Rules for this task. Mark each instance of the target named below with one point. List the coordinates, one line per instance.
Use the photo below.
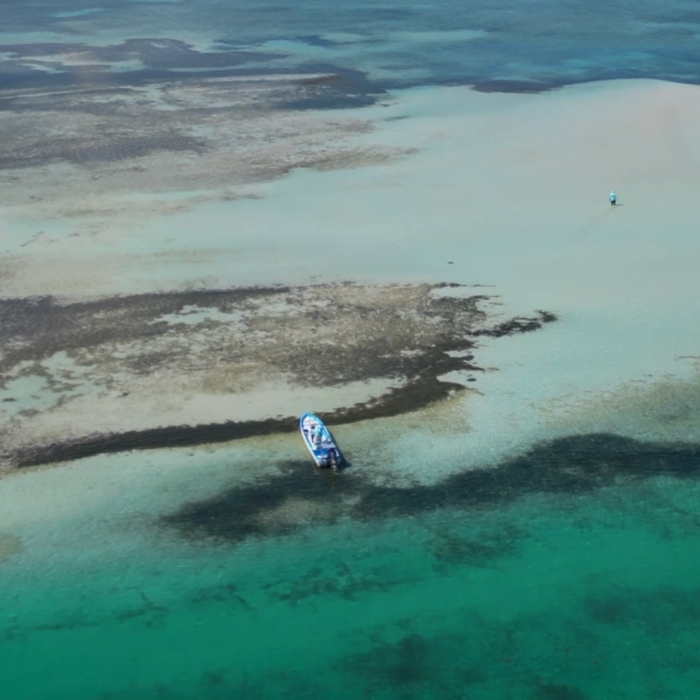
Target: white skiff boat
(320, 442)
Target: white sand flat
(513, 190)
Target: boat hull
(319, 442)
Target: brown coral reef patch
(145, 371)
(163, 132)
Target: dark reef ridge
(576, 464)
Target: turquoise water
(560, 597)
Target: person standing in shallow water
(613, 198)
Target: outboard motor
(334, 459)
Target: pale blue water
(548, 42)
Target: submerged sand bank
(508, 191)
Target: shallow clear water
(570, 597)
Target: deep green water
(551, 597)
